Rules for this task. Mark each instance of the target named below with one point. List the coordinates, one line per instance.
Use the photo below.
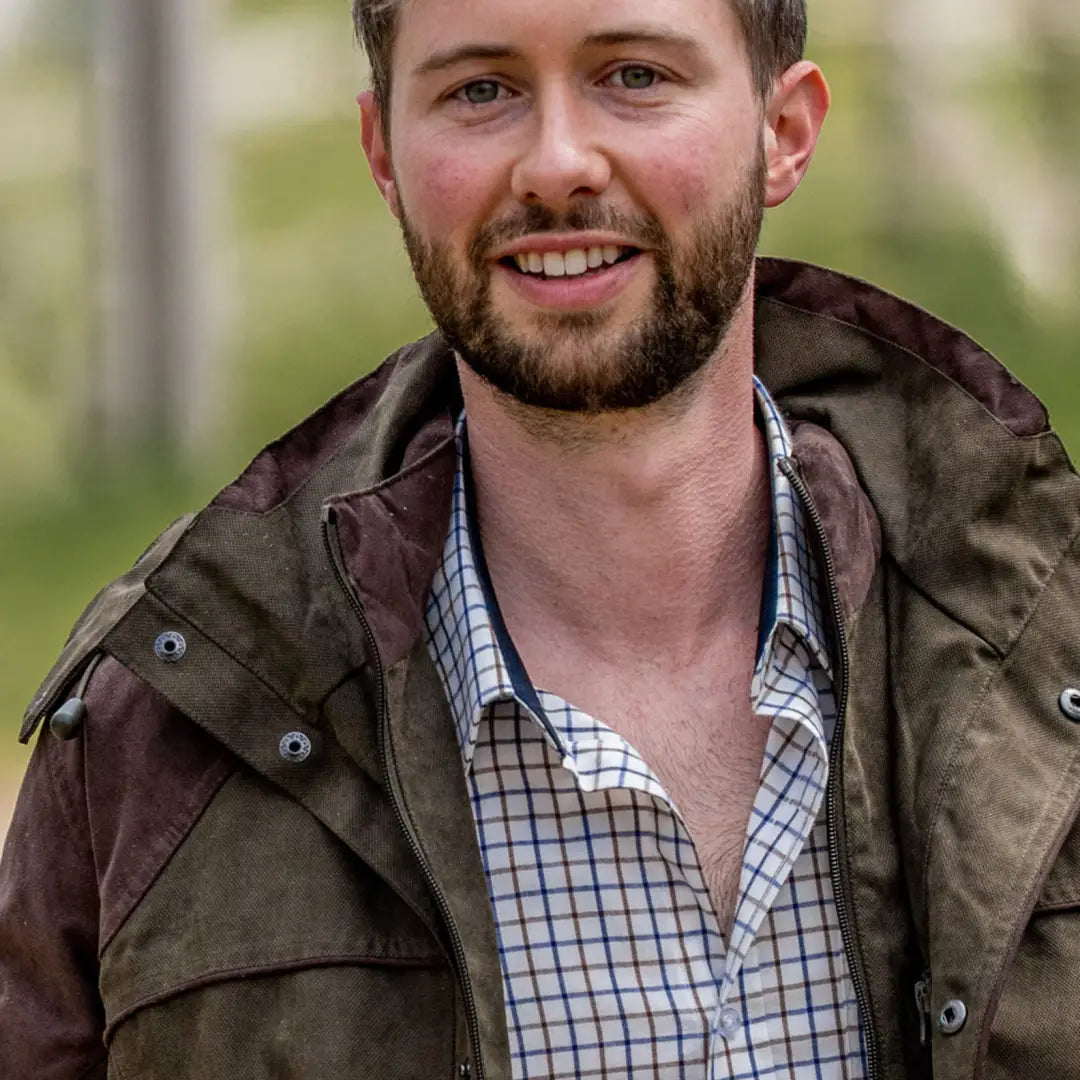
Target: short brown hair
(775, 32)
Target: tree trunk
(152, 385)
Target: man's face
(580, 185)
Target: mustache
(587, 217)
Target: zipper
(333, 551)
(922, 1003)
(836, 765)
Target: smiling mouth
(578, 262)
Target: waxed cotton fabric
(953, 804)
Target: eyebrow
(461, 54)
(643, 35)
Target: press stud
(170, 646)
(295, 746)
(953, 1017)
(1070, 703)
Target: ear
(793, 121)
(377, 149)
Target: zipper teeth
(440, 897)
(922, 1001)
(836, 768)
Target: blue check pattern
(613, 960)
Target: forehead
(430, 27)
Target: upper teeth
(567, 263)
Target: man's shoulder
(970, 485)
(232, 575)
(102, 614)
(856, 328)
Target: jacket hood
(975, 495)
(955, 456)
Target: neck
(613, 533)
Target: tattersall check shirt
(614, 964)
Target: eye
(480, 92)
(635, 77)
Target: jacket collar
(861, 374)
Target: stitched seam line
(264, 971)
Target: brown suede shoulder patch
(847, 515)
(949, 350)
(150, 773)
(406, 517)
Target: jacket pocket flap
(259, 886)
(1062, 887)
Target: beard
(698, 291)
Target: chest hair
(707, 752)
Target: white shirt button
(730, 1022)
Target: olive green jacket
(253, 854)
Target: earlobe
(793, 121)
(377, 151)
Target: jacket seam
(300, 963)
(172, 840)
(1038, 879)
(875, 336)
(103, 1060)
(1059, 907)
(221, 648)
(1000, 652)
(977, 698)
(404, 474)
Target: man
(666, 670)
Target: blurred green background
(946, 173)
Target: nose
(563, 160)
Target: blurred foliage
(323, 292)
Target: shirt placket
(795, 750)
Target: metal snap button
(1070, 703)
(953, 1017)
(170, 646)
(295, 746)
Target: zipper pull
(67, 722)
(922, 1002)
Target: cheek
(676, 185)
(683, 172)
(685, 186)
(441, 191)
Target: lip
(561, 243)
(580, 293)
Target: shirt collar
(476, 658)
(792, 590)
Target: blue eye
(481, 92)
(636, 78)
